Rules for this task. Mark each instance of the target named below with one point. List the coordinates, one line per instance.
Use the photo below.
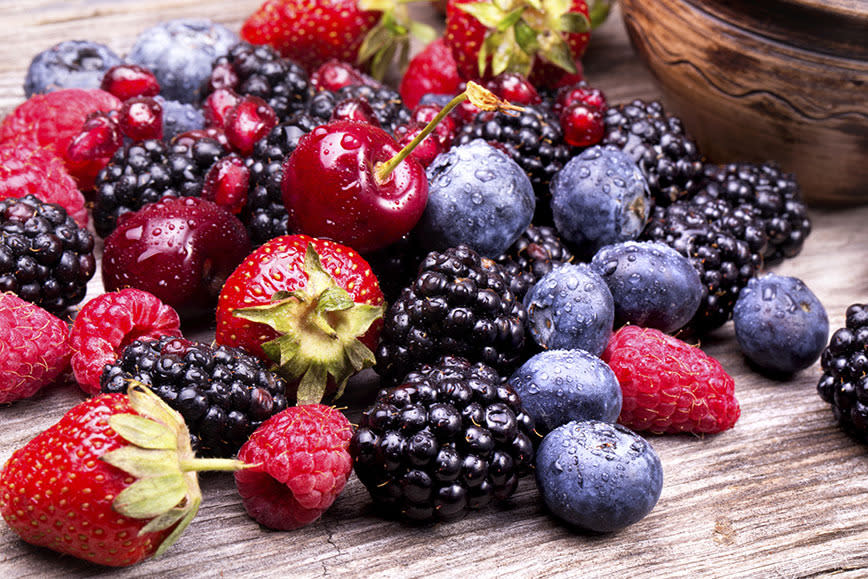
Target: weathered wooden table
(782, 494)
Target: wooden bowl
(759, 80)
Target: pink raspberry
(669, 386)
(109, 323)
(34, 348)
(302, 462)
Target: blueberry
(570, 308)
(180, 54)
(780, 324)
(600, 197)
(440, 100)
(598, 476)
(652, 284)
(477, 196)
(180, 118)
(560, 386)
(70, 64)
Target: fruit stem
(476, 94)
(215, 464)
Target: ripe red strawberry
(34, 348)
(27, 168)
(311, 305)
(113, 482)
(431, 71)
(109, 323)
(544, 42)
(669, 386)
(311, 32)
(53, 119)
(302, 462)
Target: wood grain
(782, 494)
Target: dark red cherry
(141, 118)
(582, 125)
(513, 87)
(99, 138)
(581, 93)
(126, 81)
(217, 106)
(227, 183)
(247, 122)
(334, 75)
(355, 110)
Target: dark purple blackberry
(668, 157)
(45, 257)
(147, 171)
(223, 393)
(397, 265)
(387, 104)
(844, 383)
(742, 222)
(772, 194)
(265, 214)
(260, 71)
(724, 262)
(532, 256)
(451, 438)
(459, 304)
(532, 138)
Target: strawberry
(669, 386)
(310, 305)
(542, 40)
(34, 348)
(431, 71)
(300, 463)
(113, 482)
(311, 32)
(53, 119)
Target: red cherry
(223, 77)
(331, 188)
(141, 119)
(181, 249)
(99, 138)
(227, 183)
(514, 87)
(581, 93)
(247, 122)
(217, 106)
(334, 75)
(355, 110)
(427, 150)
(582, 125)
(126, 81)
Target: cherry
(428, 149)
(582, 125)
(223, 77)
(513, 87)
(141, 119)
(355, 110)
(181, 249)
(217, 106)
(126, 81)
(351, 182)
(334, 75)
(99, 138)
(581, 93)
(227, 183)
(247, 122)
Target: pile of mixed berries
(512, 257)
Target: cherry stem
(479, 96)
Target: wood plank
(780, 494)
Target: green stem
(217, 464)
(383, 170)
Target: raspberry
(54, 119)
(34, 348)
(302, 463)
(669, 386)
(26, 169)
(108, 323)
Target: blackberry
(667, 156)
(145, 172)
(451, 438)
(387, 104)
(459, 304)
(45, 257)
(534, 140)
(844, 383)
(724, 262)
(742, 222)
(260, 71)
(396, 265)
(533, 255)
(223, 393)
(265, 214)
(773, 195)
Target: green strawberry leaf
(555, 49)
(193, 508)
(143, 432)
(377, 5)
(510, 19)
(422, 32)
(487, 13)
(152, 496)
(599, 11)
(525, 37)
(575, 23)
(140, 462)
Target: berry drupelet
(45, 257)
(657, 142)
(223, 393)
(387, 105)
(533, 255)
(260, 71)
(459, 304)
(147, 171)
(844, 383)
(451, 438)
